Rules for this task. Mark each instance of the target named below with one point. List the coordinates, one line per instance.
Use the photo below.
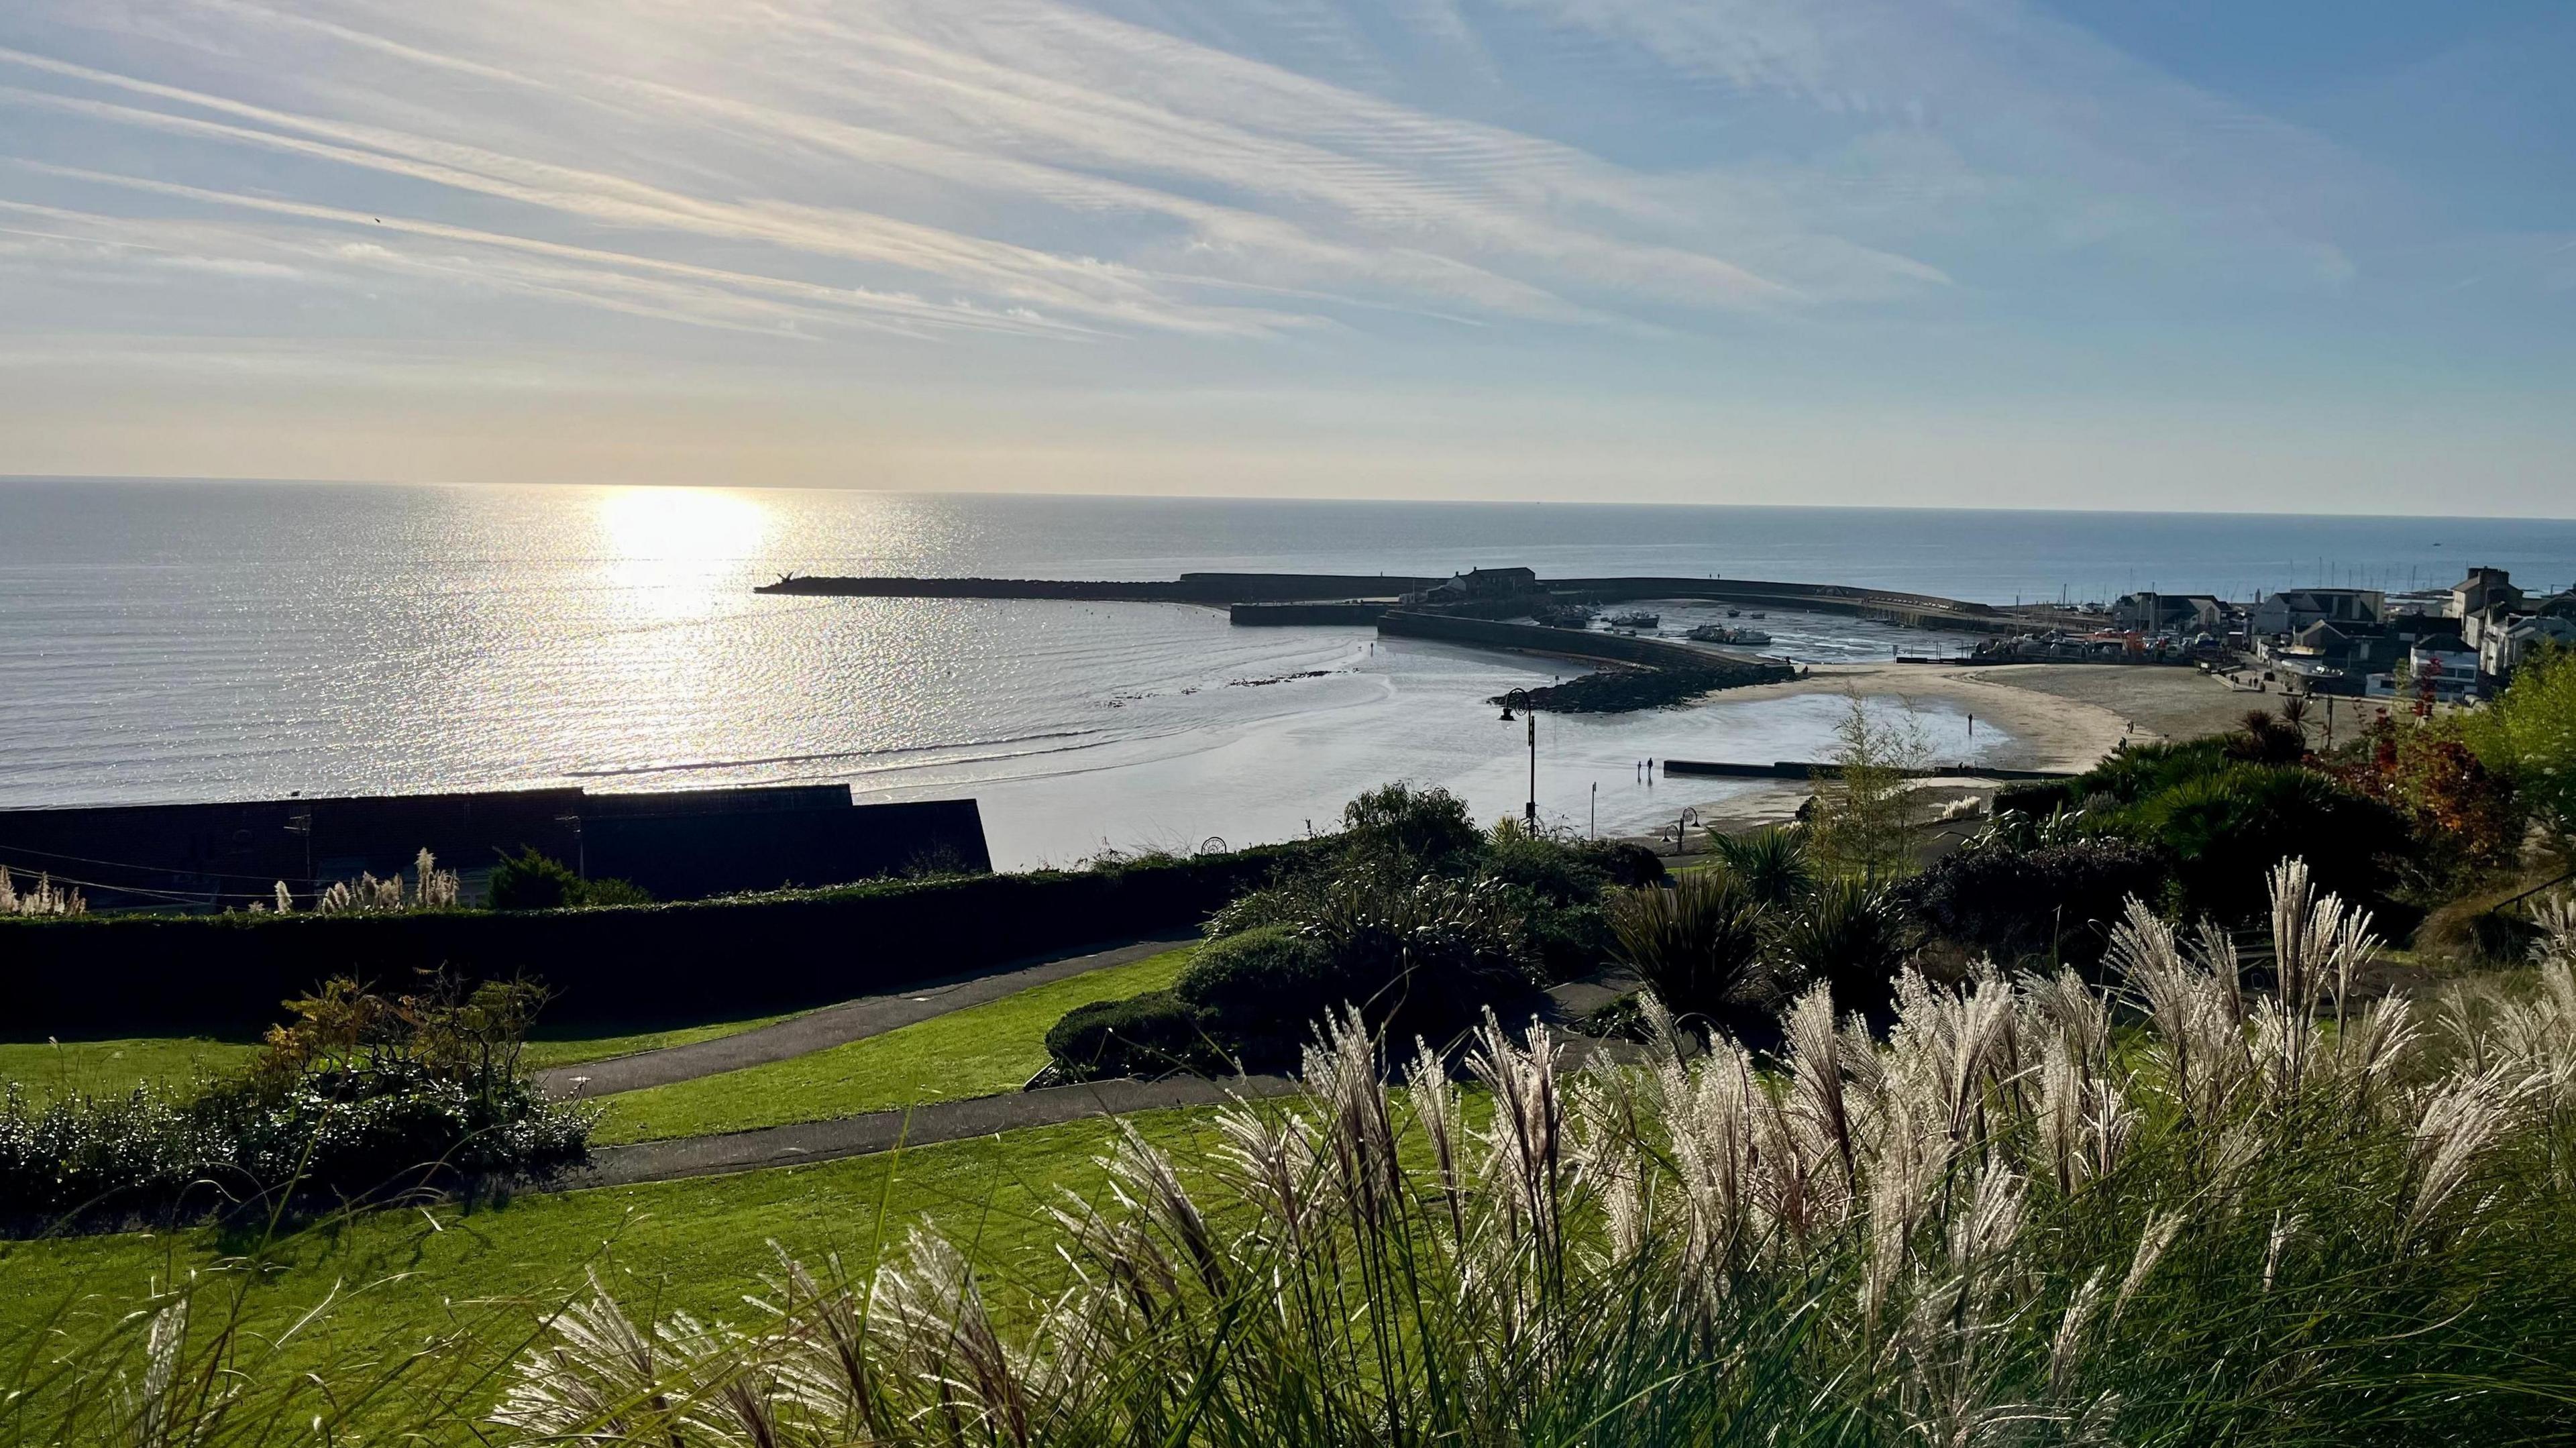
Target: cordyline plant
(2252, 1218)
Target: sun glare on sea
(673, 550)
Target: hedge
(696, 959)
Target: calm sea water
(167, 641)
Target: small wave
(613, 771)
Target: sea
(176, 640)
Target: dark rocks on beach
(1621, 691)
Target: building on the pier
(2180, 614)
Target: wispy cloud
(1692, 195)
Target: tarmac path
(837, 1025)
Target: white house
(2443, 655)
(2501, 650)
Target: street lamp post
(1520, 698)
(1681, 831)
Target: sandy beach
(2057, 716)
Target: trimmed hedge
(151, 974)
(1262, 990)
(1154, 1034)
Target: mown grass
(45, 1070)
(572, 1046)
(489, 1275)
(979, 1051)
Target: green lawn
(43, 1070)
(488, 1274)
(979, 1051)
(571, 1046)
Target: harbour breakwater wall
(1215, 589)
(1811, 769)
(1574, 643)
(1357, 598)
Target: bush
(2224, 829)
(1848, 936)
(360, 1096)
(1625, 863)
(1154, 1034)
(531, 881)
(1424, 827)
(1259, 992)
(2268, 738)
(2222, 817)
(2528, 736)
(2057, 903)
(2465, 816)
(2041, 798)
(1696, 944)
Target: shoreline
(2055, 716)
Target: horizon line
(7, 479)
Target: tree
(2528, 735)
(1866, 820)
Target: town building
(2291, 610)
(2181, 614)
(1481, 583)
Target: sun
(682, 527)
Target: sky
(2301, 255)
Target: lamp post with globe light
(1519, 698)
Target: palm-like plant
(1774, 863)
(1848, 935)
(1697, 943)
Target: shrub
(1696, 944)
(1261, 992)
(2465, 816)
(1154, 1034)
(2223, 829)
(1848, 936)
(2268, 738)
(2528, 736)
(2055, 904)
(1426, 827)
(532, 881)
(362, 1095)
(1774, 863)
(1626, 864)
(2037, 797)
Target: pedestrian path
(838, 1025)
(925, 1125)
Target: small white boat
(1717, 633)
(1636, 619)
